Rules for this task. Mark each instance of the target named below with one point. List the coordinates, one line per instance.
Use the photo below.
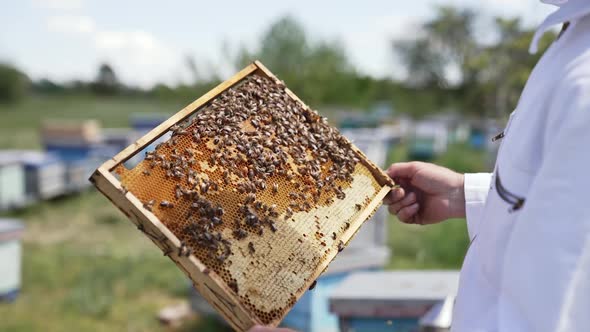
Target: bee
(358, 207)
(166, 204)
(148, 205)
(146, 172)
(240, 233)
(250, 198)
(204, 188)
(174, 128)
(123, 190)
(221, 258)
(333, 235)
(313, 284)
(206, 271)
(216, 220)
(213, 186)
(234, 286)
(346, 225)
(182, 248)
(219, 211)
(340, 246)
(293, 195)
(273, 226)
(275, 188)
(251, 247)
(196, 136)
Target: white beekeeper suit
(528, 267)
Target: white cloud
(138, 55)
(59, 4)
(138, 46)
(71, 23)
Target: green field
(88, 269)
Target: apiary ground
(259, 189)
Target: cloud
(139, 46)
(71, 24)
(139, 56)
(59, 4)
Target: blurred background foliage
(448, 67)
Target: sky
(147, 41)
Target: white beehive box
(12, 182)
(10, 258)
(45, 174)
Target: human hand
(427, 193)
(269, 329)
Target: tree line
(449, 67)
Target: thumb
(402, 170)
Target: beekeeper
(528, 265)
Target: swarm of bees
(255, 132)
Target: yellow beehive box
(252, 196)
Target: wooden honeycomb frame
(211, 286)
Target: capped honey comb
(252, 195)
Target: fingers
(408, 200)
(403, 170)
(408, 214)
(394, 195)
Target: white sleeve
(476, 189)
(547, 262)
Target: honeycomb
(259, 188)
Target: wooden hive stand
(250, 286)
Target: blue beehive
(78, 172)
(45, 174)
(10, 259)
(144, 122)
(390, 300)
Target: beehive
(252, 196)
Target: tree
(13, 83)
(490, 77)
(106, 82)
(318, 71)
(445, 43)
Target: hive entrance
(260, 189)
